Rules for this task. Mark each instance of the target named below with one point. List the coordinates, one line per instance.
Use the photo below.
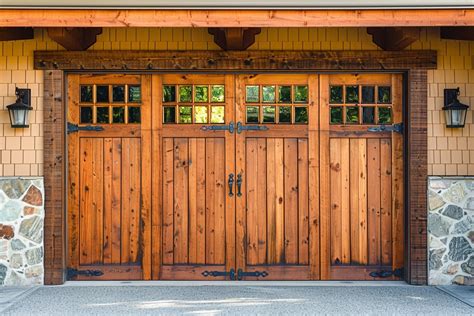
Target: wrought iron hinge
(257, 274)
(241, 127)
(72, 273)
(397, 128)
(386, 273)
(229, 127)
(215, 274)
(72, 128)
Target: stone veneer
(451, 230)
(21, 231)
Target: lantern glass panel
(455, 117)
(19, 117)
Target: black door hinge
(72, 128)
(387, 273)
(256, 274)
(215, 274)
(397, 128)
(72, 273)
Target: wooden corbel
(16, 33)
(234, 38)
(74, 38)
(393, 38)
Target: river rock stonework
(451, 230)
(21, 231)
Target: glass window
(284, 114)
(86, 115)
(185, 93)
(352, 94)
(368, 95)
(301, 114)
(103, 115)
(252, 94)
(169, 93)
(335, 95)
(218, 93)
(217, 114)
(384, 95)
(118, 115)
(185, 114)
(200, 114)
(102, 94)
(252, 114)
(352, 115)
(118, 94)
(86, 94)
(268, 94)
(336, 115)
(134, 114)
(268, 114)
(284, 94)
(301, 94)
(134, 94)
(201, 94)
(169, 114)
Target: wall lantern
(454, 110)
(19, 111)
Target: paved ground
(245, 299)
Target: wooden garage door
(361, 176)
(109, 184)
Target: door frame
(413, 64)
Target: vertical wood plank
(373, 200)
(86, 186)
(303, 227)
(362, 186)
(345, 200)
(125, 195)
(180, 201)
(108, 212)
(210, 201)
(219, 202)
(168, 204)
(280, 200)
(271, 202)
(336, 199)
(252, 200)
(135, 200)
(386, 200)
(291, 200)
(354, 199)
(116, 201)
(261, 201)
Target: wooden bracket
(74, 38)
(16, 33)
(234, 38)
(393, 38)
(465, 33)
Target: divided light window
(110, 104)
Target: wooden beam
(465, 33)
(234, 38)
(393, 38)
(235, 60)
(74, 38)
(16, 33)
(236, 18)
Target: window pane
(169, 93)
(201, 93)
(86, 94)
(284, 114)
(218, 94)
(335, 94)
(118, 93)
(268, 114)
(102, 95)
(169, 114)
(134, 114)
(252, 114)
(336, 115)
(200, 114)
(268, 94)
(185, 93)
(284, 94)
(252, 94)
(217, 114)
(103, 115)
(301, 93)
(352, 115)
(368, 95)
(134, 94)
(185, 114)
(384, 95)
(118, 115)
(385, 115)
(301, 115)
(352, 94)
(86, 115)
(368, 115)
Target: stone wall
(451, 230)
(21, 231)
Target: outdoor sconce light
(454, 110)
(19, 110)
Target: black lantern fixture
(454, 110)
(19, 111)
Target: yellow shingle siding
(450, 151)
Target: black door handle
(231, 184)
(241, 127)
(239, 184)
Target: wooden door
(196, 155)
(108, 176)
(277, 165)
(361, 175)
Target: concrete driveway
(242, 299)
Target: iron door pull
(229, 127)
(231, 184)
(72, 128)
(239, 185)
(241, 127)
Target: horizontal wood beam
(74, 38)
(235, 60)
(394, 38)
(236, 18)
(234, 38)
(465, 33)
(16, 33)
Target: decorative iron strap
(72, 128)
(215, 274)
(241, 127)
(397, 128)
(229, 127)
(257, 274)
(386, 273)
(71, 273)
